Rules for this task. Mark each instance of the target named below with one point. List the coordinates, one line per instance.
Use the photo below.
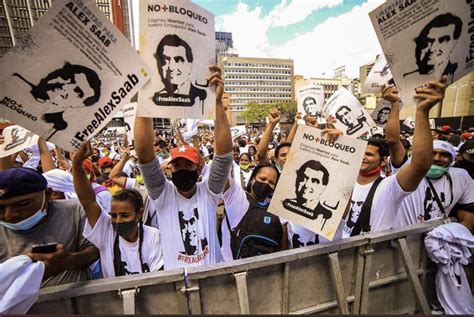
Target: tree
(256, 112)
(288, 110)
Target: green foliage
(256, 112)
(288, 110)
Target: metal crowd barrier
(386, 272)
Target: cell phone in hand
(44, 248)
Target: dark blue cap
(21, 181)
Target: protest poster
(351, 117)
(409, 122)
(129, 114)
(309, 98)
(381, 112)
(69, 74)
(177, 41)
(379, 76)
(317, 181)
(423, 40)
(376, 131)
(16, 139)
(237, 131)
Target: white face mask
(28, 223)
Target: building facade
(256, 80)
(18, 16)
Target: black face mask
(124, 228)
(184, 180)
(261, 190)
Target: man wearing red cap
(187, 208)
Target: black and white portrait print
(353, 122)
(190, 233)
(174, 58)
(63, 90)
(18, 136)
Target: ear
(140, 213)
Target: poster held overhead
(351, 117)
(69, 96)
(379, 76)
(129, 114)
(16, 139)
(381, 112)
(317, 181)
(424, 40)
(309, 98)
(177, 41)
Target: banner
(351, 117)
(177, 41)
(379, 76)
(317, 181)
(310, 99)
(423, 40)
(69, 75)
(129, 114)
(16, 139)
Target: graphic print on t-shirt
(190, 229)
(430, 206)
(295, 240)
(356, 207)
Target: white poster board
(376, 131)
(129, 114)
(381, 112)
(351, 117)
(317, 181)
(379, 76)
(409, 122)
(16, 139)
(69, 74)
(423, 40)
(310, 100)
(177, 41)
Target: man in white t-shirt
(445, 188)
(387, 193)
(186, 208)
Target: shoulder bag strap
(363, 222)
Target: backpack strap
(118, 267)
(435, 193)
(363, 222)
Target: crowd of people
(113, 208)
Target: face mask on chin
(436, 171)
(28, 223)
(184, 180)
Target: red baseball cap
(188, 152)
(105, 162)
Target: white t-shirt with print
(188, 226)
(387, 199)
(421, 205)
(103, 237)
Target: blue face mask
(28, 223)
(436, 171)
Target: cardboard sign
(69, 74)
(16, 139)
(317, 181)
(379, 76)
(376, 131)
(424, 40)
(351, 117)
(310, 99)
(129, 114)
(177, 41)
(409, 122)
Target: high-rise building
(18, 16)
(224, 45)
(256, 80)
(340, 72)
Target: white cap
(445, 146)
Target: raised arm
(46, 158)
(222, 162)
(392, 127)
(82, 185)
(144, 136)
(292, 133)
(410, 175)
(262, 149)
(116, 172)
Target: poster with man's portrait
(351, 116)
(309, 98)
(409, 123)
(317, 181)
(16, 138)
(177, 41)
(424, 40)
(381, 112)
(69, 74)
(379, 76)
(129, 114)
